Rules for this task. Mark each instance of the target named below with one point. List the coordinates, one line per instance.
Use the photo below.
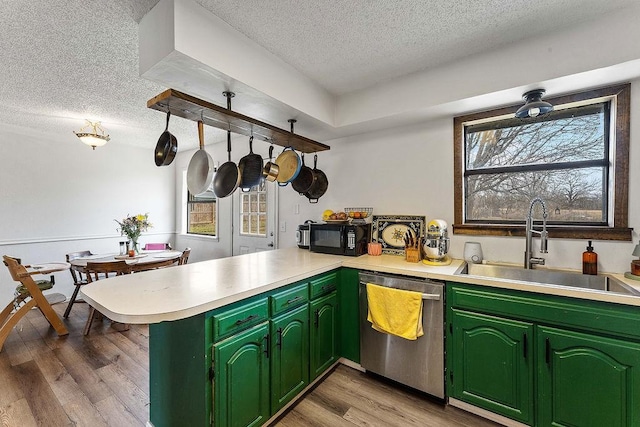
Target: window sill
(568, 232)
(199, 237)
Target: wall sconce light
(92, 138)
(533, 106)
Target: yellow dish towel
(395, 311)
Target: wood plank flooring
(103, 380)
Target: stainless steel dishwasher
(420, 363)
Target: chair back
(184, 258)
(18, 271)
(77, 276)
(117, 268)
(157, 247)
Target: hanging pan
(270, 170)
(320, 185)
(289, 163)
(228, 176)
(167, 146)
(304, 180)
(250, 168)
(200, 170)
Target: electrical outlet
(296, 209)
(283, 226)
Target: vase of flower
(132, 227)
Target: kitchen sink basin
(551, 277)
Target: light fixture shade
(534, 106)
(92, 138)
(636, 251)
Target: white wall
(59, 196)
(410, 171)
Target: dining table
(145, 260)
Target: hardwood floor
(103, 380)
(348, 398)
(98, 380)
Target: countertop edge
(105, 301)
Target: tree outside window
(570, 158)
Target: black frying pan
(228, 176)
(320, 185)
(250, 168)
(304, 180)
(167, 146)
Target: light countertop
(183, 291)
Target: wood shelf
(191, 108)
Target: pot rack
(192, 108)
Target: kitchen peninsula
(189, 308)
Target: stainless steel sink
(551, 277)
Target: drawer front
(324, 284)
(290, 298)
(237, 319)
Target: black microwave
(339, 239)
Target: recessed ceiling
(67, 60)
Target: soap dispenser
(589, 261)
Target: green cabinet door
(491, 364)
(290, 356)
(323, 333)
(348, 314)
(587, 380)
(241, 379)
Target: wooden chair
(93, 270)
(157, 247)
(184, 258)
(27, 290)
(78, 280)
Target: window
(202, 213)
(253, 211)
(575, 158)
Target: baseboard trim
(508, 422)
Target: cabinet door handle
(316, 320)
(266, 348)
(547, 351)
(279, 339)
(292, 300)
(524, 345)
(328, 288)
(245, 320)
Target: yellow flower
(140, 217)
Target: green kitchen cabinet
(543, 359)
(323, 333)
(587, 380)
(289, 356)
(492, 364)
(348, 312)
(241, 378)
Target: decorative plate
(389, 230)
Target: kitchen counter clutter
(177, 293)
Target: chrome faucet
(529, 259)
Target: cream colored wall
(410, 171)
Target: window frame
(618, 213)
(187, 205)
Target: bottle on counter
(589, 261)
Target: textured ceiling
(66, 60)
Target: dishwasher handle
(435, 297)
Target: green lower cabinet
(348, 304)
(289, 356)
(492, 364)
(241, 379)
(323, 334)
(586, 380)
